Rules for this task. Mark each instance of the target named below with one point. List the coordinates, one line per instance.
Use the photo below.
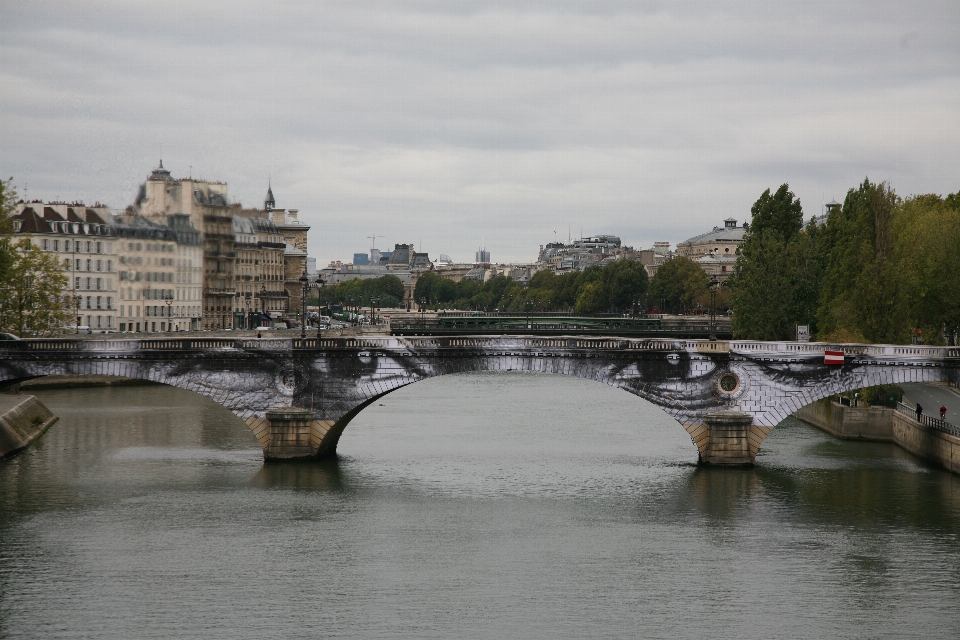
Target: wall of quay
(880, 424)
(23, 419)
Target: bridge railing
(930, 421)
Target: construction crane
(373, 241)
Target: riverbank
(23, 419)
(881, 424)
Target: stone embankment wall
(880, 424)
(23, 419)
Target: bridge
(298, 395)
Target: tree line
(614, 288)
(879, 269)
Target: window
(56, 245)
(109, 265)
(88, 302)
(45, 244)
(99, 265)
(98, 303)
(99, 247)
(99, 284)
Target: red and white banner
(833, 357)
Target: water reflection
(468, 506)
(322, 475)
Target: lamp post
(373, 314)
(263, 300)
(304, 285)
(529, 305)
(77, 299)
(713, 284)
(169, 301)
(319, 283)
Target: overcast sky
(450, 123)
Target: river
(499, 505)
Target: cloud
(456, 121)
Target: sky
(450, 124)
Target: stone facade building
(147, 255)
(273, 244)
(84, 242)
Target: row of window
(92, 265)
(75, 246)
(149, 276)
(95, 302)
(93, 284)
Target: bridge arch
(297, 395)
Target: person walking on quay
(943, 412)
(919, 411)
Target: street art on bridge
(298, 395)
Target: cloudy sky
(450, 123)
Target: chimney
(276, 216)
(293, 214)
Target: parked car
(8, 336)
(263, 328)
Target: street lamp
(263, 299)
(529, 304)
(319, 284)
(77, 299)
(714, 285)
(373, 314)
(304, 285)
(169, 301)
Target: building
(84, 242)
(188, 305)
(721, 240)
(361, 259)
(206, 205)
(582, 253)
(226, 283)
(482, 256)
(147, 258)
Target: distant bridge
(298, 395)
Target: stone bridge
(298, 395)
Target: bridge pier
(291, 434)
(726, 439)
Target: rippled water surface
(476, 506)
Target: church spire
(269, 202)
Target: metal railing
(929, 421)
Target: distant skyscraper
(483, 256)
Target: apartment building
(147, 257)
(84, 242)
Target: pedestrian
(943, 411)
(919, 411)
(259, 335)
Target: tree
(625, 282)
(30, 292)
(775, 281)
(862, 296)
(677, 285)
(779, 214)
(591, 299)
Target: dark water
(480, 506)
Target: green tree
(591, 299)
(677, 285)
(775, 283)
(862, 295)
(779, 214)
(30, 292)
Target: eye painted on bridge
(673, 358)
(728, 383)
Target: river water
(474, 506)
